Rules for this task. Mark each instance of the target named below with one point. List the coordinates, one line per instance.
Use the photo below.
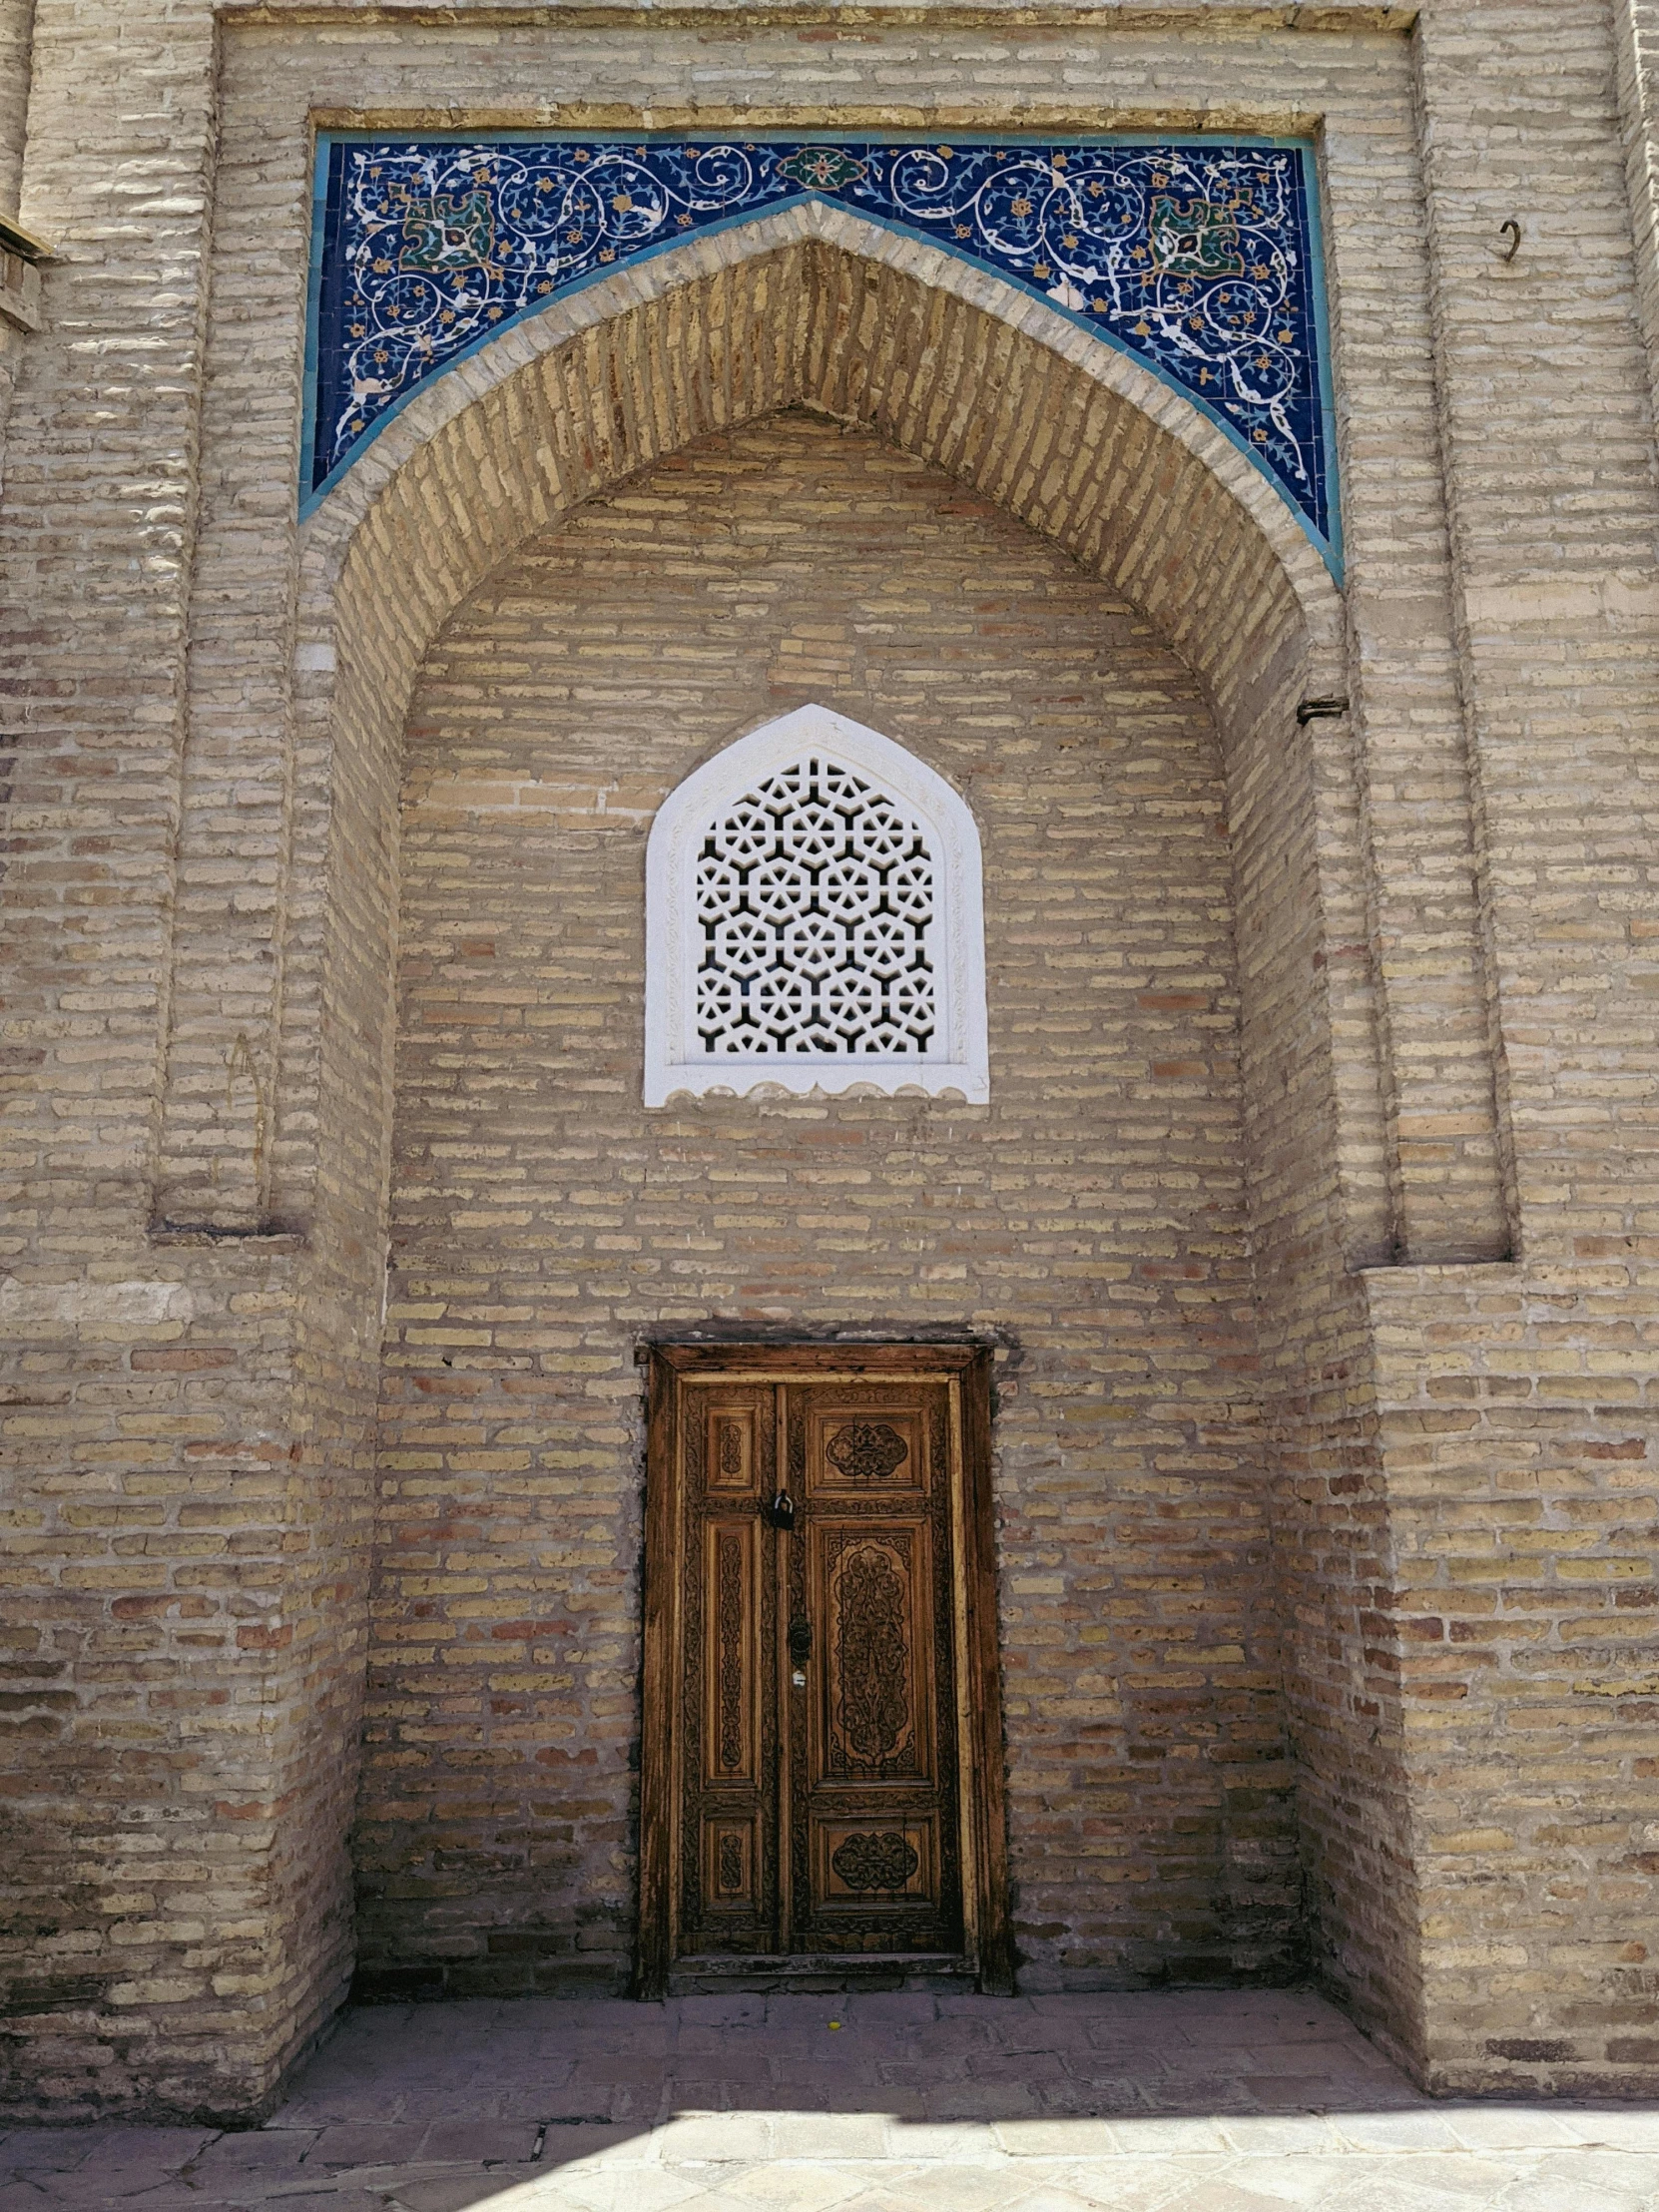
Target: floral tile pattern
(1201, 259)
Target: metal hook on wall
(1513, 232)
(1318, 710)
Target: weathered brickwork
(15, 43)
(1517, 1427)
(11, 346)
(1430, 1132)
(1091, 1216)
(14, 104)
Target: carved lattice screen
(814, 896)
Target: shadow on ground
(1226, 2101)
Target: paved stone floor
(1205, 2103)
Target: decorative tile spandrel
(1199, 258)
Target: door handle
(801, 1639)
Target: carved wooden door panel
(819, 1596)
(728, 1673)
(871, 1814)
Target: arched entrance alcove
(814, 310)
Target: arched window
(813, 919)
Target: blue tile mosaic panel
(1200, 258)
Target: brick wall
(1444, 910)
(1519, 1414)
(1091, 1216)
(15, 27)
(11, 346)
(1516, 1414)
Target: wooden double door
(821, 1755)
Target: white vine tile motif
(1199, 257)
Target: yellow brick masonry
(1091, 1218)
(16, 25)
(15, 41)
(11, 350)
(1130, 505)
(1525, 1482)
(148, 1513)
(1442, 911)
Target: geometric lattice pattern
(814, 922)
(1199, 258)
(814, 894)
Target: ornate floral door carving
(821, 1760)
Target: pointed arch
(361, 411)
(812, 350)
(814, 920)
(810, 306)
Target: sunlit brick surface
(1091, 1216)
(1444, 920)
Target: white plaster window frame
(675, 1061)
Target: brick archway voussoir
(808, 305)
(814, 304)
